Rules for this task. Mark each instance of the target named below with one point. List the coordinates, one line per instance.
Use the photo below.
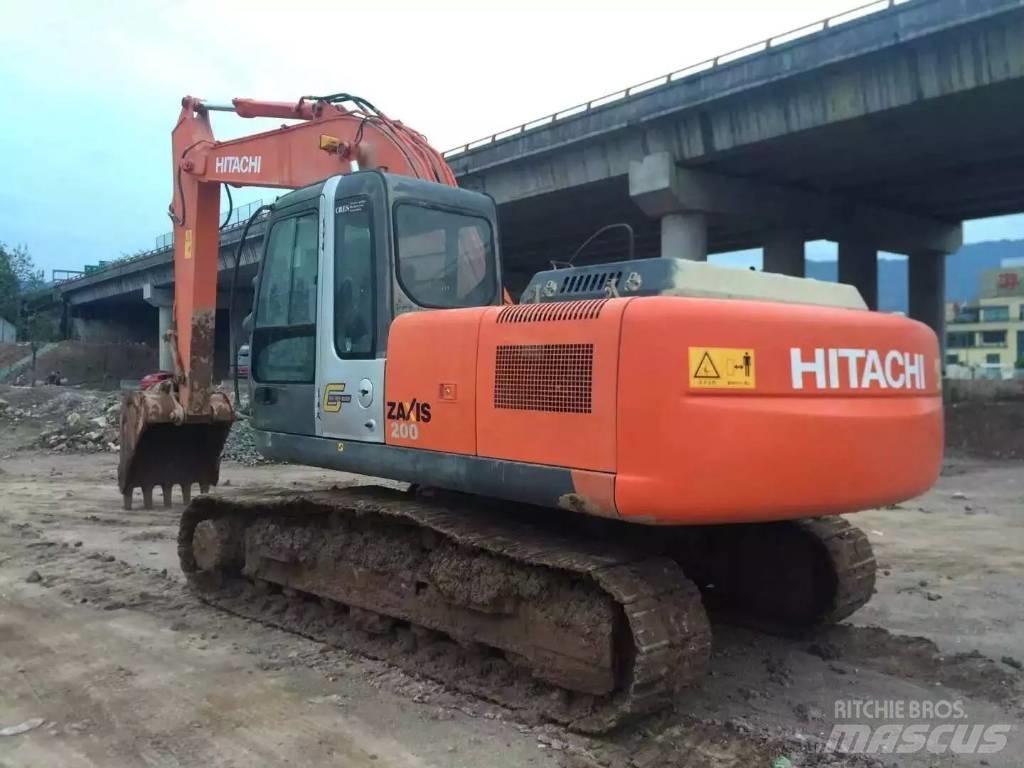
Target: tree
(18, 276)
(10, 293)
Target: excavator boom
(335, 134)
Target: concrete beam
(659, 186)
(157, 297)
(858, 266)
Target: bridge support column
(926, 277)
(163, 300)
(784, 254)
(858, 266)
(654, 187)
(166, 317)
(684, 236)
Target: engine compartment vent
(544, 377)
(588, 282)
(548, 313)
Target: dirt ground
(99, 639)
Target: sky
(91, 88)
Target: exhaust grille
(588, 282)
(544, 377)
(547, 313)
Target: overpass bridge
(881, 129)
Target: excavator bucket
(162, 448)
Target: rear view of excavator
(589, 472)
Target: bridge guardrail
(237, 219)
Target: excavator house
(590, 472)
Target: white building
(7, 332)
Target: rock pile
(87, 422)
(84, 421)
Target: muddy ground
(99, 639)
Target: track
(586, 633)
(585, 621)
(784, 577)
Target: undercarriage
(592, 623)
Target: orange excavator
(581, 477)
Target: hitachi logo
(827, 368)
(236, 164)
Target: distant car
(150, 379)
(243, 361)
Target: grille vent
(589, 282)
(544, 377)
(547, 313)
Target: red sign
(1008, 280)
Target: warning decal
(721, 368)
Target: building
(985, 338)
(7, 331)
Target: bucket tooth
(186, 492)
(147, 497)
(166, 490)
(126, 498)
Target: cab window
(284, 335)
(445, 258)
(353, 279)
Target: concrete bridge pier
(684, 236)
(784, 253)
(858, 266)
(163, 300)
(655, 186)
(926, 288)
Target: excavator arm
(173, 434)
(330, 139)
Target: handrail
(868, 9)
(165, 241)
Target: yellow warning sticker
(721, 368)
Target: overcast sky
(91, 89)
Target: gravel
(241, 444)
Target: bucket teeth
(160, 449)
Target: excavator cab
(341, 260)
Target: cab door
(350, 369)
(283, 354)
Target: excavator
(565, 487)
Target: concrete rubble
(81, 421)
(88, 421)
